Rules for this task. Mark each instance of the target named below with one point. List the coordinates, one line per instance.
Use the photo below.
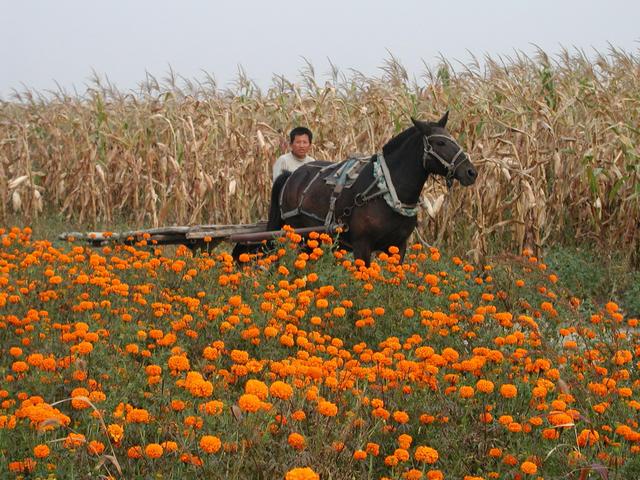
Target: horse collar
(386, 188)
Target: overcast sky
(45, 41)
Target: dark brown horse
(379, 208)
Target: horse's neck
(407, 173)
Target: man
(299, 142)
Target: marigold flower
(588, 437)
(169, 446)
(299, 415)
(301, 473)
(15, 351)
(213, 407)
(401, 454)
(466, 391)
(116, 432)
(79, 403)
(426, 454)
(391, 460)
(508, 390)
(138, 415)
(296, 441)
(327, 409)
(373, 448)
(210, 444)
(19, 366)
(484, 386)
(153, 370)
(529, 468)
(178, 363)
(41, 451)
(400, 417)
(239, 356)
(94, 447)
(337, 446)
(281, 390)
(84, 348)
(249, 402)
(495, 452)
(412, 474)
(74, 440)
(435, 475)
(404, 441)
(153, 450)
(134, 452)
(359, 455)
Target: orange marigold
(134, 452)
(400, 416)
(95, 447)
(210, 444)
(153, 450)
(466, 391)
(178, 363)
(74, 440)
(484, 386)
(41, 451)
(412, 474)
(508, 390)
(138, 415)
(404, 441)
(327, 409)
(281, 390)
(435, 475)
(249, 402)
(529, 468)
(296, 441)
(588, 437)
(401, 454)
(116, 432)
(258, 388)
(301, 473)
(426, 454)
(359, 455)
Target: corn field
(556, 142)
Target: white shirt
(289, 162)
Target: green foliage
(597, 276)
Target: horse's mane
(398, 140)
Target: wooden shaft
(270, 235)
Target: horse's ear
(421, 126)
(443, 121)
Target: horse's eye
(440, 143)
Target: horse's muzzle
(466, 173)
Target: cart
(194, 237)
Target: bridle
(429, 151)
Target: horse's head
(442, 154)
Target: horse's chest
(375, 223)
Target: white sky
(47, 41)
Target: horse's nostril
(472, 173)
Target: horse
(379, 208)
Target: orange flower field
(141, 362)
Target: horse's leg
(362, 251)
(402, 250)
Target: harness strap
(429, 151)
(385, 184)
(298, 209)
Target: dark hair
(298, 131)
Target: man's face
(300, 145)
